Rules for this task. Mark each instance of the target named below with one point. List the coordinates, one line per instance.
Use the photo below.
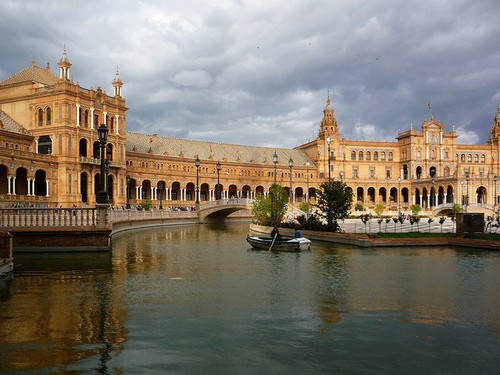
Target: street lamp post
(106, 173)
(495, 179)
(160, 188)
(463, 194)
(399, 194)
(307, 185)
(275, 162)
(102, 195)
(217, 191)
(127, 206)
(197, 164)
(467, 192)
(328, 140)
(290, 164)
(341, 174)
(433, 194)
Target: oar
(274, 239)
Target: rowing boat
(285, 244)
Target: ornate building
(50, 156)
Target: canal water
(198, 300)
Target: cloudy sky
(258, 72)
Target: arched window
(390, 156)
(476, 158)
(462, 158)
(375, 156)
(432, 172)
(483, 158)
(40, 117)
(368, 155)
(419, 172)
(360, 157)
(469, 158)
(382, 156)
(353, 155)
(49, 116)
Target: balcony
(96, 161)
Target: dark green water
(197, 300)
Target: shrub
(146, 204)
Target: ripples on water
(197, 300)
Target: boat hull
(290, 245)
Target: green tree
(334, 201)
(455, 209)
(270, 210)
(379, 209)
(305, 207)
(415, 209)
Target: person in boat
(297, 233)
(276, 233)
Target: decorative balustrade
(21, 217)
(48, 217)
(122, 215)
(231, 201)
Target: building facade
(50, 156)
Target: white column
(47, 185)
(78, 115)
(36, 146)
(413, 198)
(9, 185)
(105, 118)
(421, 196)
(13, 186)
(153, 193)
(117, 118)
(91, 118)
(444, 198)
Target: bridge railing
(48, 217)
(224, 202)
(122, 215)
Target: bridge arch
(217, 211)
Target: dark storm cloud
(258, 72)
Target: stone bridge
(445, 209)
(220, 209)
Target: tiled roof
(6, 123)
(165, 146)
(32, 73)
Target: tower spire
(64, 66)
(329, 122)
(117, 84)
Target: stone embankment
(371, 240)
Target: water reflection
(60, 308)
(197, 299)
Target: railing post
(102, 215)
